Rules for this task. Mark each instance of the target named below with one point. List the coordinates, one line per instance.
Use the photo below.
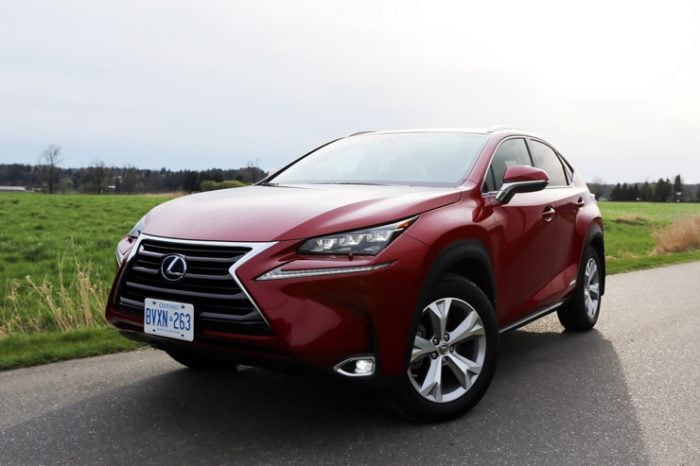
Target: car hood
(275, 213)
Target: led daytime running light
(279, 274)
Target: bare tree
(252, 172)
(129, 180)
(50, 158)
(99, 173)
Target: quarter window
(510, 152)
(567, 168)
(545, 158)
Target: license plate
(168, 319)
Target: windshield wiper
(362, 183)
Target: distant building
(15, 189)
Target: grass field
(57, 264)
(629, 233)
(58, 252)
(24, 350)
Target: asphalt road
(626, 392)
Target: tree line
(662, 190)
(100, 178)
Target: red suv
(395, 257)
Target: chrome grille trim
(254, 250)
(158, 255)
(194, 294)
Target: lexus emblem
(173, 268)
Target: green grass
(23, 350)
(57, 264)
(62, 247)
(629, 240)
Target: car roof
(498, 132)
(491, 130)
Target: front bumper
(314, 320)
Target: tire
(200, 363)
(443, 379)
(581, 312)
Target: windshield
(420, 158)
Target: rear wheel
(582, 311)
(453, 353)
(198, 362)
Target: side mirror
(521, 179)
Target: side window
(544, 157)
(510, 152)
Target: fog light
(360, 366)
(364, 366)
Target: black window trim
(569, 166)
(562, 161)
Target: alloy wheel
(448, 352)
(591, 289)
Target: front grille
(219, 303)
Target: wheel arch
(469, 259)
(466, 258)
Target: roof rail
(493, 129)
(361, 132)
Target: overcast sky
(201, 84)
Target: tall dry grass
(70, 302)
(680, 236)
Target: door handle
(580, 203)
(548, 213)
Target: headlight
(362, 242)
(138, 228)
(124, 246)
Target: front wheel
(581, 312)
(453, 353)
